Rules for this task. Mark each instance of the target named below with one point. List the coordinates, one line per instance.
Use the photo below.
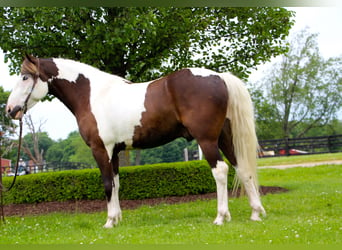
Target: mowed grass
(310, 213)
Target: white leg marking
(114, 210)
(253, 195)
(220, 175)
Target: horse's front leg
(110, 176)
(113, 204)
(112, 192)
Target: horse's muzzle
(15, 112)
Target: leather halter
(24, 108)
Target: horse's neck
(65, 93)
(77, 81)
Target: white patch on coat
(202, 72)
(116, 105)
(68, 69)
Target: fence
(48, 167)
(307, 145)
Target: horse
(114, 114)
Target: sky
(58, 122)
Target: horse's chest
(118, 111)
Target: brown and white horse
(114, 114)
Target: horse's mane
(29, 67)
(31, 64)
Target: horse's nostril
(8, 109)
(12, 111)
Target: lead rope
(2, 188)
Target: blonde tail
(241, 115)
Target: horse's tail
(240, 112)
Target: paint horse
(114, 114)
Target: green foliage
(170, 152)
(139, 182)
(72, 149)
(7, 127)
(55, 186)
(81, 152)
(267, 125)
(142, 43)
(5, 120)
(45, 142)
(333, 127)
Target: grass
(310, 213)
(298, 159)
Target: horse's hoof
(112, 221)
(255, 218)
(256, 212)
(221, 218)
(108, 224)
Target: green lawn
(310, 213)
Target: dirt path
(304, 164)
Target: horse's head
(29, 89)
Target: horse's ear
(30, 58)
(30, 65)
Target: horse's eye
(25, 77)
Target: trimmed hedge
(138, 182)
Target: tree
(142, 43)
(6, 123)
(304, 87)
(72, 149)
(170, 152)
(58, 152)
(333, 127)
(82, 152)
(267, 124)
(36, 142)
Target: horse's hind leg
(226, 143)
(226, 146)
(220, 172)
(253, 195)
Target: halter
(24, 108)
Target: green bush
(138, 182)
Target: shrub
(138, 182)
